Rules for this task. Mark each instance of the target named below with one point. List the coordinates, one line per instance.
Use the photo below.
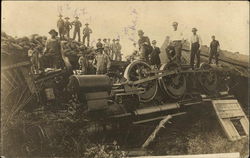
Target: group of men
(149, 52)
(174, 48)
(113, 50)
(176, 40)
(64, 27)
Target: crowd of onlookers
(63, 51)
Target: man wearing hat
(106, 46)
(118, 48)
(83, 61)
(195, 44)
(101, 61)
(52, 51)
(214, 50)
(144, 46)
(99, 43)
(175, 41)
(154, 56)
(86, 34)
(67, 27)
(77, 25)
(60, 26)
(112, 49)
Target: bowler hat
(53, 31)
(194, 29)
(86, 24)
(154, 42)
(105, 39)
(76, 17)
(175, 23)
(66, 18)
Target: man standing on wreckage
(52, 53)
(60, 26)
(175, 44)
(144, 46)
(101, 61)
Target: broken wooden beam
(157, 129)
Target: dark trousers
(144, 53)
(215, 55)
(67, 33)
(84, 37)
(77, 31)
(61, 33)
(195, 52)
(51, 61)
(177, 48)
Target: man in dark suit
(67, 27)
(154, 56)
(77, 25)
(60, 26)
(214, 50)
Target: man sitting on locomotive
(101, 61)
(144, 46)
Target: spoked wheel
(138, 70)
(174, 85)
(208, 80)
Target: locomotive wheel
(174, 85)
(137, 70)
(208, 80)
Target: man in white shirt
(175, 42)
(195, 45)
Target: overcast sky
(228, 21)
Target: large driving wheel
(138, 70)
(208, 80)
(173, 85)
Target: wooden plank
(229, 111)
(29, 80)
(157, 118)
(219, 155)
(25, 63)
(157, 129)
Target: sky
(227, 20)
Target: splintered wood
(232, 118)
(157, 129)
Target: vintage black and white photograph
(120, 79)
